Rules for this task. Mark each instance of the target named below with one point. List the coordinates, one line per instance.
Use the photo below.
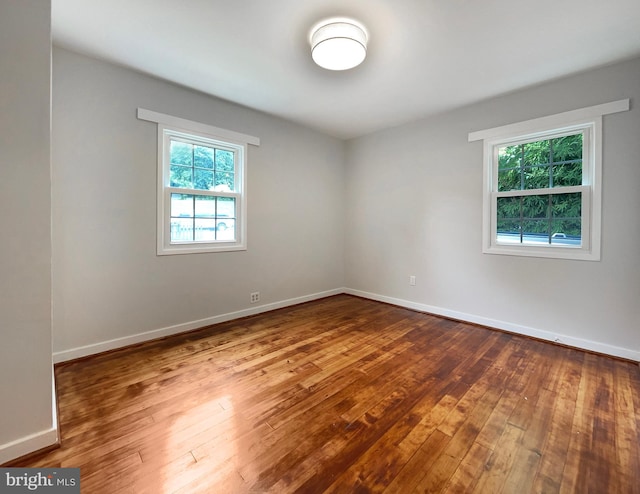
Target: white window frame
(170, 126)
(586, 120)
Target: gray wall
(26, 377)
(108, 282)
(414, 207)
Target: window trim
(588, 120)
(173, 126)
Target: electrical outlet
(412, 280)
(255, 297)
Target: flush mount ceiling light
(338, 44)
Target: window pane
(509, 179)
(203, 157)
(181, 229)
(568, 174)
(205, 229)
(226, 229)
(567, 148)
(205, 207)
(567, 212)
(535, 153)
(203, 179)
(535, 207)
(224, 182)
(226, 207)
(536, 177)
(508, 231)
(181, 176)
(181, 205)
(509, 157)
(508, 207)
(567, 232)
(181, 153)
(567, 205)
(224, 161)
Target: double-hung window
(542, 185)
(201, 186)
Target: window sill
(549, 252)
(194, 249)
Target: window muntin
(202, 193)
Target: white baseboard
(540, 334)
(33, 442)
(104, 346)
(29, 444)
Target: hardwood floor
(349, 395)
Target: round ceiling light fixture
(338, 44)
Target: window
(201, 186)
(542, 183)
(539, 189)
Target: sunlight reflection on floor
(201, 451)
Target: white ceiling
(424, 56)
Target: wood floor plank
(468, 472)
(348, 395)
(602, 474)
(580, 457)
(558, 435)
(500, 462)
(419, 465)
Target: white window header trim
(551, 121)
(182, 123)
